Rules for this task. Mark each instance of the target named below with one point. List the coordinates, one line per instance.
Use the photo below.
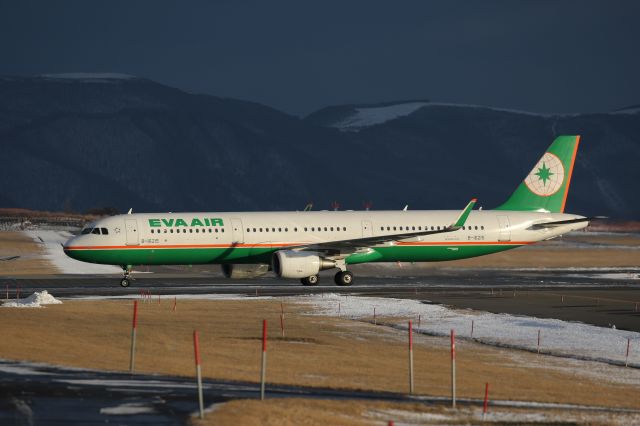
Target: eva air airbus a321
(301, 244)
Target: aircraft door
(505, 233)
(237, 233)
(367, 230)
(132, 232)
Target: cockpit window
(86, 231)
(105, 231)
(96, 231)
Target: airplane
(298, 245)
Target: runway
(599, 297)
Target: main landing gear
(126, 279)
(342, 278)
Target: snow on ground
(128, 409)
(560, 338)
(36, 300)
(53, 241)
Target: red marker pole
(486, 401)
(175, 302)
(453, 368)
(338, 308)
(626, 361)
(134, 328)
(263, 372)
(410, 357)
(196, 350)
(472, 329)
(7, 292)
(374, 316)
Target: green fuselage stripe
(207, 255)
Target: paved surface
(603, 298)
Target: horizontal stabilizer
(565, 222)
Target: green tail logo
(546, 187)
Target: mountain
(81, 141)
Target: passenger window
(217, 230)
(313, 229)
(388, 228)
(344, 228)
(279, 229)
(295, 229)
(266, 229)
(96, 231)
(482, 227)
(476, 227)
(286, 229)
(331, 228)
(419, 228)
(222, 229)
(394, 228)
(152, 231)
(273, 229)
(171, 230)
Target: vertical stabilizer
(546, 187)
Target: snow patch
(36, 300)
(128, 409)
(365, 117)
(370, 116)
(53, 241)
(557, 337)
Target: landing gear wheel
(124, 282)
(310, 281)
(343, 278)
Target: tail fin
(546, 187)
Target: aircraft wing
(352, 245)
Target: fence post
(263, 372)
(410, 357)
(538, 341)
(134, 327)
(453, 368)
(196, 349)
(626, 361)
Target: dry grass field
(316, 351)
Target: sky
(299, 56)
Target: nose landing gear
(126, 279)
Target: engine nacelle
(239, 271)
(298, 264)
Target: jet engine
(298, 264)
(240, 271)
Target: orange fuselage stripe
(186, 246)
